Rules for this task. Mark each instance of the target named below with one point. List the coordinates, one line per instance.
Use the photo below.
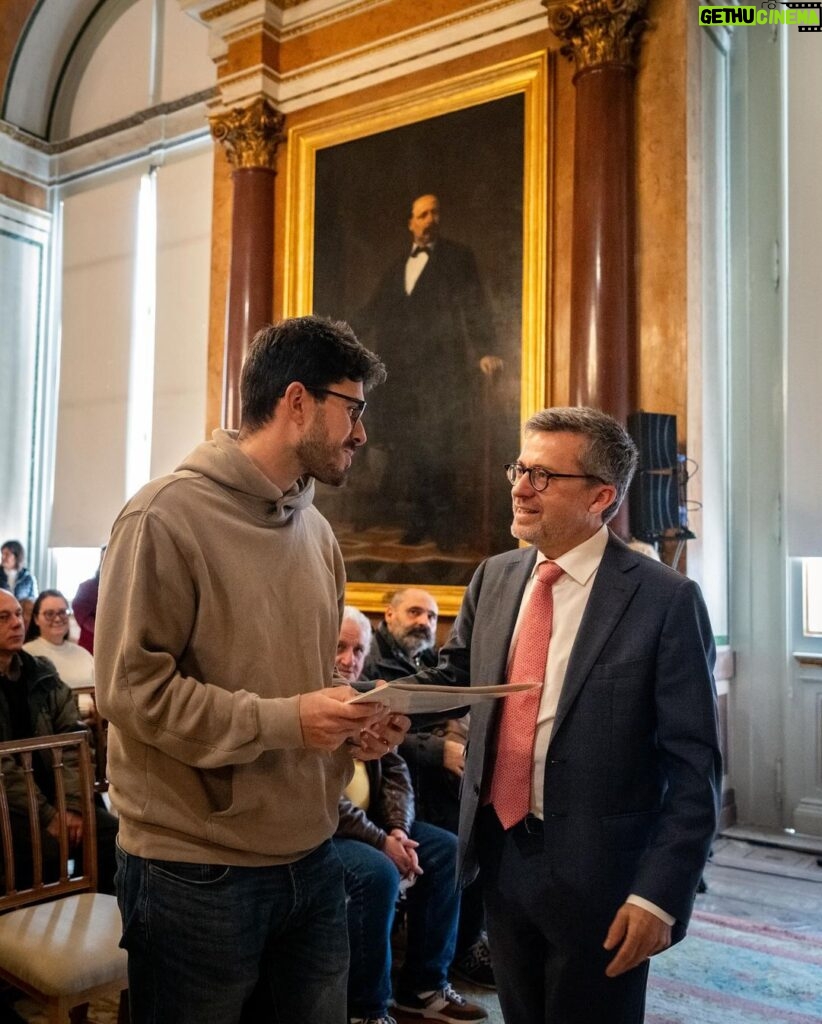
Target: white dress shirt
(571, 593)
(414, 266)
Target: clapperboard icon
(798, 5)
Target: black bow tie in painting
(418, 249)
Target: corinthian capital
(250, 135)
(598, 32)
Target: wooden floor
(752, 881)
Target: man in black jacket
(385, 851)
(34, 701)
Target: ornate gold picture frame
(427, 500)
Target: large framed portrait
(422, 221)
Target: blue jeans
(372, 883)
(201, 936)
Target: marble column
(601, 37)
(250, 136)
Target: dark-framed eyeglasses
(55, 616)
(539, 478)
(356, 406)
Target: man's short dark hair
(313, 350)
(610, 453)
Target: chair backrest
(86, 699)
(67, 756)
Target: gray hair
(610, 453)
(356, 616)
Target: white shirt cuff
(652, 908)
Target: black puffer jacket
(53, 710)
(391, 803)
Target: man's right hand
(327, 721)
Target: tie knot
(418, 249)
(549, 572)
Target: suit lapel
(613, 588)
(502, 599)
(506, 600)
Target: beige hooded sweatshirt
(220, 603)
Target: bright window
(72, 566)
(812, 597)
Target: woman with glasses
(48, 637)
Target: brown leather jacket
(391, 803)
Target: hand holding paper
(422, 698)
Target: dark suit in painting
(427, 417)
(630, 790)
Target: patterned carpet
(732, 971)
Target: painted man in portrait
(430, 319)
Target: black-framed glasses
(539, 478)
(356, 406)
(51, 616)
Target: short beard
(414, 644)
(316, 456)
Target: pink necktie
(511, 782)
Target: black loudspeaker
(654, 434)
(653, 500)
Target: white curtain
(23, 257)
(181, 344)
(99, 235)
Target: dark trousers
(549, 967)
(106, 864)
(213, 944)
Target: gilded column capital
(598, 32)
(250, 135)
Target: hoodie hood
(222, 460)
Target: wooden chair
(58, 939)
(86, 701)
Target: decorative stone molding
(598, 32)
(230, 6)
(250, 135)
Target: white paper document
(419, 698)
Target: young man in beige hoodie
(220, 604)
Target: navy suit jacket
(633, 773)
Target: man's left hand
(381, 737)
(636, 934)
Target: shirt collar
(581, 562)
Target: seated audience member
(435, 754)
(47, 636)
(14, 576)
(84, 607)
(381, 846)
(34, 701)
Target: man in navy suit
(430, 318)
(622, 781)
